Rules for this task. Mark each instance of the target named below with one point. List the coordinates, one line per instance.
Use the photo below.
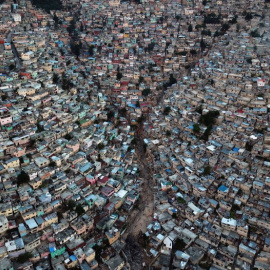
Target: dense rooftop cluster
(134, 134)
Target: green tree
(48, 5)
(122, 111)
(199, 109)
(55, 78)
(196, 128)
(217, 34)
(91, 50)
(166, 110)
(182, 53)
(234, 20)
(179, 244)
(212, 18)
(146, 92)
(52, 164)
(255, 33)
(100, 146)
(110, 115)
(76, 48)
(72, 27)
(248, 16)
(206, 32)
(151, 46)
(180, 200)
(172, 80)
(134, 141)
(141, 119)
(21, 160)
(80, 210)
(32, 142)
(145, 240)
(206, 133)
(144, 147)
(249, 60)
(66, 82)
(23, 178)
(11, 66)
(119, 75)
(209, 118)
(207, 170)
(28, 155)
(225, 27)
(22, 258)
(68, 136)
(193, 52)
(59, 215)
(71, 205)
(236, 207)
(56, 19)
(248, 146)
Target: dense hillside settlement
(134, 134)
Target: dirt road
(140, 219)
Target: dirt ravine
(141, 217)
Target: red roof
(125, 83)
(107, 191)
(109, 206)
(103, 179)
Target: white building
(3, 224)
(17, 17)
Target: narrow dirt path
(140, 219)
